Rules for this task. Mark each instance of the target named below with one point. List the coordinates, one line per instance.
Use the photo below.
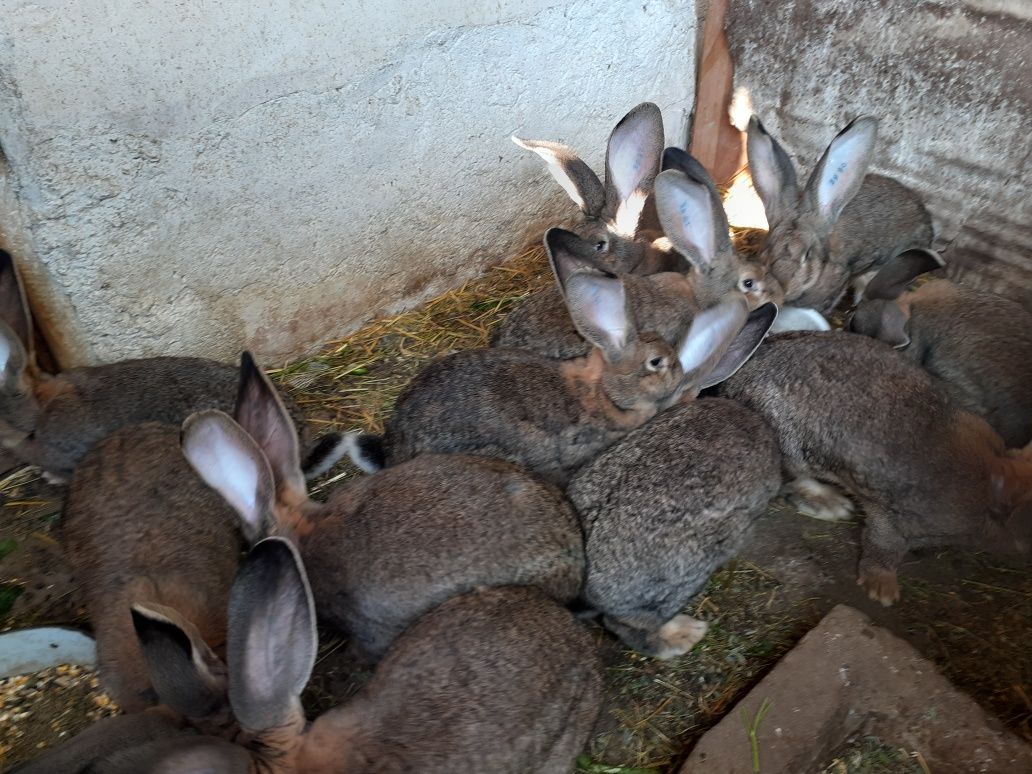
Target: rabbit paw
(881, 585)
(819, 501)
(679, 635)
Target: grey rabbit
(663, 508)
(978, 345)
(139, 527)
(52, 421)
(387, 548)
(842, 225)
(493, 680)
(551, 416)
(852, 410)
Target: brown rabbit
(850, 409)
(978, 345)
(139, 527)
(52, 421)
(494, 680)
(663, 508)
(551, 416)
(388, 548)
(842, 225)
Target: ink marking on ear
(686, 221)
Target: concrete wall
(950, 80)
(184, 176)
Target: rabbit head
(798, 249)
(19, 408)
(616, 213)
(884, 314)
(694, 221)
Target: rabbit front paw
(881, 585)
(679, 635)
(819, 500)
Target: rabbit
(978, 345)
(52, 421)
(663, 508)
(664, 302)
(852, 410)
(842, 225)
(139, 526)
(550, 416)
(493, 680)
(389, 547)
(619, 217)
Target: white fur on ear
(226, 465)
(598, 306)
(795, 318)
(556, 168)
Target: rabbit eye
(600, 246)
(747, 284)
(656, 363)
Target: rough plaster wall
(195, 177)
(951, 81)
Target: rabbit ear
(632, 163)
(709, 337)
(14, 309)
(743, 346)
(180, 664)
(580, 183)
(692, 218)
(260, 412)
(772, 172)
(230, 462)
(598, 307)
(569, 254)
(885, 319)
(895, 276)
(841, 170)
(13, 359)
(272, 640)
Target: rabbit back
(398, 543)
(979, 346)
(140, 526)
(665, 506)
(499, 680)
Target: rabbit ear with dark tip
(569, 254)
(841, 170)
(599, 309)
(229, 461)
(580, 183)
(272, 640)
(693, 218)
(632, 163)
(895, 276)
(773, 174)
(260, 412)
(184, 672)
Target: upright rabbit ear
(260, 412)
(632, 163)
(896, 275)
(184, 672)
(710, 336)
(13, 359)
(272, 639)
(598, 307)
(841, 170)
(745, 343)
(693, 218)
(14, 308)
(580, 183)
(569, 254)
(773, 174)
(230, 462)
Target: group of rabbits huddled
(567, 466)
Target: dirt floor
(970, 613)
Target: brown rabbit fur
(386, 549)
(978, 345)
(663, 508)
(498, 680)
(850, 409)
(842, 225)
(551, 416)
(52, 421)
(140, 527)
